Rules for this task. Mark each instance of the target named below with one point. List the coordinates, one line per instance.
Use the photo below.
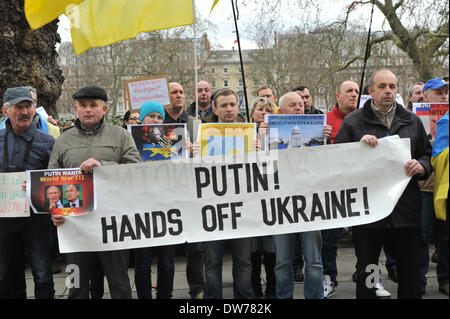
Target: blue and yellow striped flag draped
(96, 23)
(439, 161)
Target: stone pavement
(346, 289)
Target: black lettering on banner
(170, 218)
(258, 178)
(141, 227)
(198, 182)
(340, 206)
(224, 181)
(235, 168)
(126, 230)
(299, 210)
(350, 201)
(282, 210)
(205, 210)
(317, 209)
(106, 228)
(266, 215)
(163, 230)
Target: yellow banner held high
(96, 23)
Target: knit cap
(150, 107)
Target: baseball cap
(16, 95)
(434, 84)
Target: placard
(153, 88)
(13, 200)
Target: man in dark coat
(380, 117)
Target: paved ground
(346, 290)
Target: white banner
(299, 189)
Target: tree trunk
(28, 57)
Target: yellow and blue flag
(439, 161)
(96, 23)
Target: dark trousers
(33, 233)
(115, 266)
(195, 268)
(269, 266)
(405, 244)
(329, 252)
(143, 270)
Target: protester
(415, 94)
(204, 101)
(304, 93)
(92, 143)
(381, 116)
(262, 247)
(347, 99)
(130, 119)
(434, 91)
(49, 126)
(292, 103)
(195, 254)
(441, 191)
(153, 113)
(24, 148)
(268, 93)
(225, 108)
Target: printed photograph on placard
(160, 141)
(66, 192)
(226, 139)
(286, 131)
(430, 114)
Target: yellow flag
(41, 12)
(95, 23)
(214, 4)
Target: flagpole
(242, 64)
(195, 59)
(366, 56)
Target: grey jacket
(108, 144)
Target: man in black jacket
(380, 117)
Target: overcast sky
(222, 19)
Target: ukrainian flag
(96, 23)
(439, 160)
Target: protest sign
(66, 192)
(365, 97)
(301, 130)
(153, 88)
(160, 141)
(13, 200)
(226, 139)
(430, 113)
(255, 194)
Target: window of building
(225, 70)
(225, 83)
(213, 70)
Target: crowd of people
(30, 143)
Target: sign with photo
(430, 114)
(160, 141)
(66, 192)
(287, 131)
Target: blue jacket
(40, 151)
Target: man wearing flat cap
(24, 147)
(93, 142)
